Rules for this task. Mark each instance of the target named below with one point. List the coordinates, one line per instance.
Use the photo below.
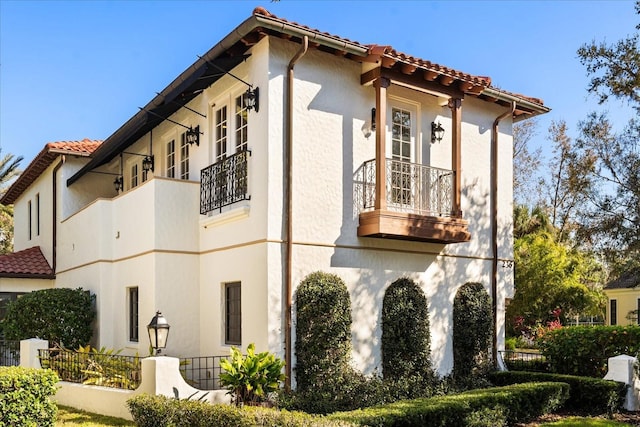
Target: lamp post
(158, 330)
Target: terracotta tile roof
(628, 280)
(42, 161)
(389, 56)
(28, 263)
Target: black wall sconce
(147, 163)
(118, 184)
(192, 136)
(251, 99)
(373, 119)
(437, 132)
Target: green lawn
(585, 422)
(73, 417)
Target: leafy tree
(614, 69)
(61, 315)
(526, 161)
(550, 276)
(569, 183)
(8, 170)
(613, 222)
(6, 229)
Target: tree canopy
(9, 169)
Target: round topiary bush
(406, 339)
(472, 334)
(61, 315)
(323, 329)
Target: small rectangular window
(221, 133)
(29, 213)
(133, 314)
(233, 314)
(134, 175)
(38, 214)
(184, 155)
(613, 312)
(171, 159)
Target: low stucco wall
(98, 400)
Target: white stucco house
(281, 151)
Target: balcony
(419, 201)
(225, 182)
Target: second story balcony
(417, 204)
(225, 182)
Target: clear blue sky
(80, 69)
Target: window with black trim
(233, 314)
(38, 214)
(30, 224)
(613, 312)
(133, 314)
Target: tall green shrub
(60, 315)
(406, 339)
(584, 350)
(323, 329)
(472, 334)
(25, 397)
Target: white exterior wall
(331, 113)
(42, 187)
(153, 237)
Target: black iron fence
(524, 361)
(9, 353)
(225, 182)
(202, 372)
(93, 367)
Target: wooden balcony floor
(407, 226)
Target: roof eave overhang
(125, 135)
(525, 108)
(28, 276)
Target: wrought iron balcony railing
(225, 182)
(410, 188)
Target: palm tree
(8, 170)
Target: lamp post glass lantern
(158, 332)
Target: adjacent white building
(282, 151)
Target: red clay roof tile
(26, 263)
(42, 161)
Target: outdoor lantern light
(251, 99)
(158, 332)
(147, 163)
(193, 136)
(437, 132)
(118, 184)
(373, 119)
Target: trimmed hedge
(406, 339)
(25, 397)
(497, 406)
(323, 329)
(590, 395)
(60, 315)
(584, 350)
(161, 411)
(472, 333)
